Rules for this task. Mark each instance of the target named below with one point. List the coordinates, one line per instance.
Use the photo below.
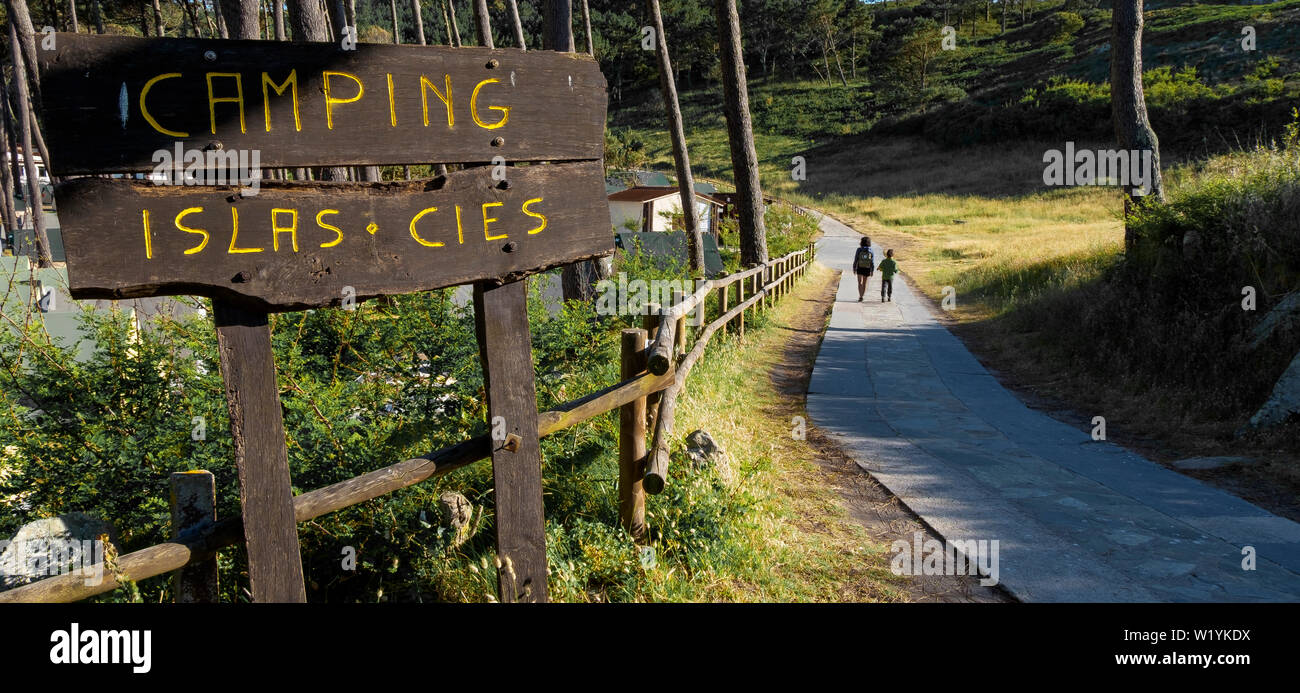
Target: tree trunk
(586, 20)
(338, 17)
(1003, 3)
(451, 40)
(157, 19)
(208, 21)
(277, 17)
(34, 96)
(685, 181)
(33, 191)
(39, 139)
(483, 24)
(21, 17)
(519, 27)
(840, 67)
(99, 17)
(557, 25)
(309, 23)
(72, 16)
(222, 30)
(577, 280)
(188, 7)
(853, 57)
(242, 18)
(11, 127)
(419, 21)
(740, 135)
(397, 34)
(455, 27)
(7, 180)
(1128, 102)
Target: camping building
(642, 208)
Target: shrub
(1168, 321)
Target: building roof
(645, 193)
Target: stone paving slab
(1076, 519)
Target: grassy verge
(796, 541)
(770, 531)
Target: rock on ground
(49, 547)
(1202, 463)
(702, 451)
(454, 513)
(1284, 402)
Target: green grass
(772, 534)
(791, 540)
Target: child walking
(888, 268)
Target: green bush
(1168, 321)
(359, 390)
(1059, 27)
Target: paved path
(1076, 519)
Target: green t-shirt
(888, 268)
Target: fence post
(650, 323)
(723, 300)
(767, 279)
(740, 298)
(775, 281)
(631, 439)
(194, 504)
(679, 342)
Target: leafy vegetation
(388, 381)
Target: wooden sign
(117, 104)
(293, 246)
(111, 102)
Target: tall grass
(1169, 322)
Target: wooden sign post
(208, 108)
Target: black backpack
(870, 258)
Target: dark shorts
(862, 273)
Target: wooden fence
(654, 366)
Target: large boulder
(52, 546)
(1284, 403)
(1282, 315)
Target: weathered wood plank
(631, 439)
(193, 509)
(257, 431)
(382, 238)
(505, 349)
(111, 102)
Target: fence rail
(654, 373)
